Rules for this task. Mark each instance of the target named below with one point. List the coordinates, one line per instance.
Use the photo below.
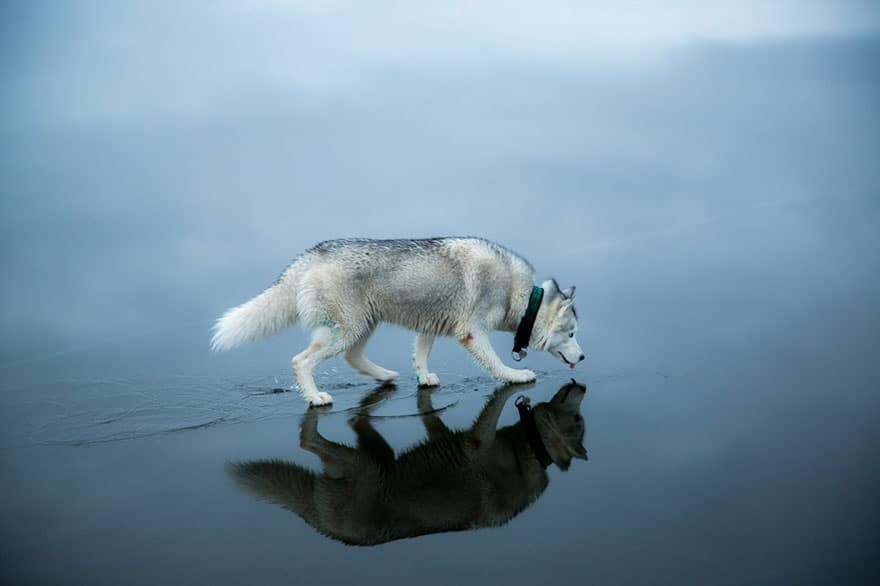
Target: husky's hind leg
(420, 361)
(356, 359)
(478, 344)
(326, 343)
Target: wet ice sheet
(146, 494)
(134, 471)
(83, 411)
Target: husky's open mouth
(566, 360)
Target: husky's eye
(571, 335)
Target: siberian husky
(459, 287)
(454, 481)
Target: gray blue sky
(103, 61)
(163, 160)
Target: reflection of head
(456, 480)
(561, 426)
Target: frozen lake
(734, 465)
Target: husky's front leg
(478, 344)
(420, 361)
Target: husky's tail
(268, 313)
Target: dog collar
(527, 418)
(524, 331)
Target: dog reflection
(456, 480)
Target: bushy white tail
(268, 313)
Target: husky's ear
(551, 289)
(565, 306)
(579, 452)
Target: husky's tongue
(571, 364)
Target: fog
(752, 157)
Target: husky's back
(432, 286)
(429, 285)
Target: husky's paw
(321, 398)
(521, 376)
(384, 375)
(428, 380)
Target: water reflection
(456, 480)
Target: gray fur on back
(430, 285)
(403, 246)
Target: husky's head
(557, 324)
(561, 426)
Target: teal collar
(524, 331)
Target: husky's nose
(581, 358)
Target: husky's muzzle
(569, 362)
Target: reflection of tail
(279, 482)
(268, 313)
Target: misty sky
(164, 161)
